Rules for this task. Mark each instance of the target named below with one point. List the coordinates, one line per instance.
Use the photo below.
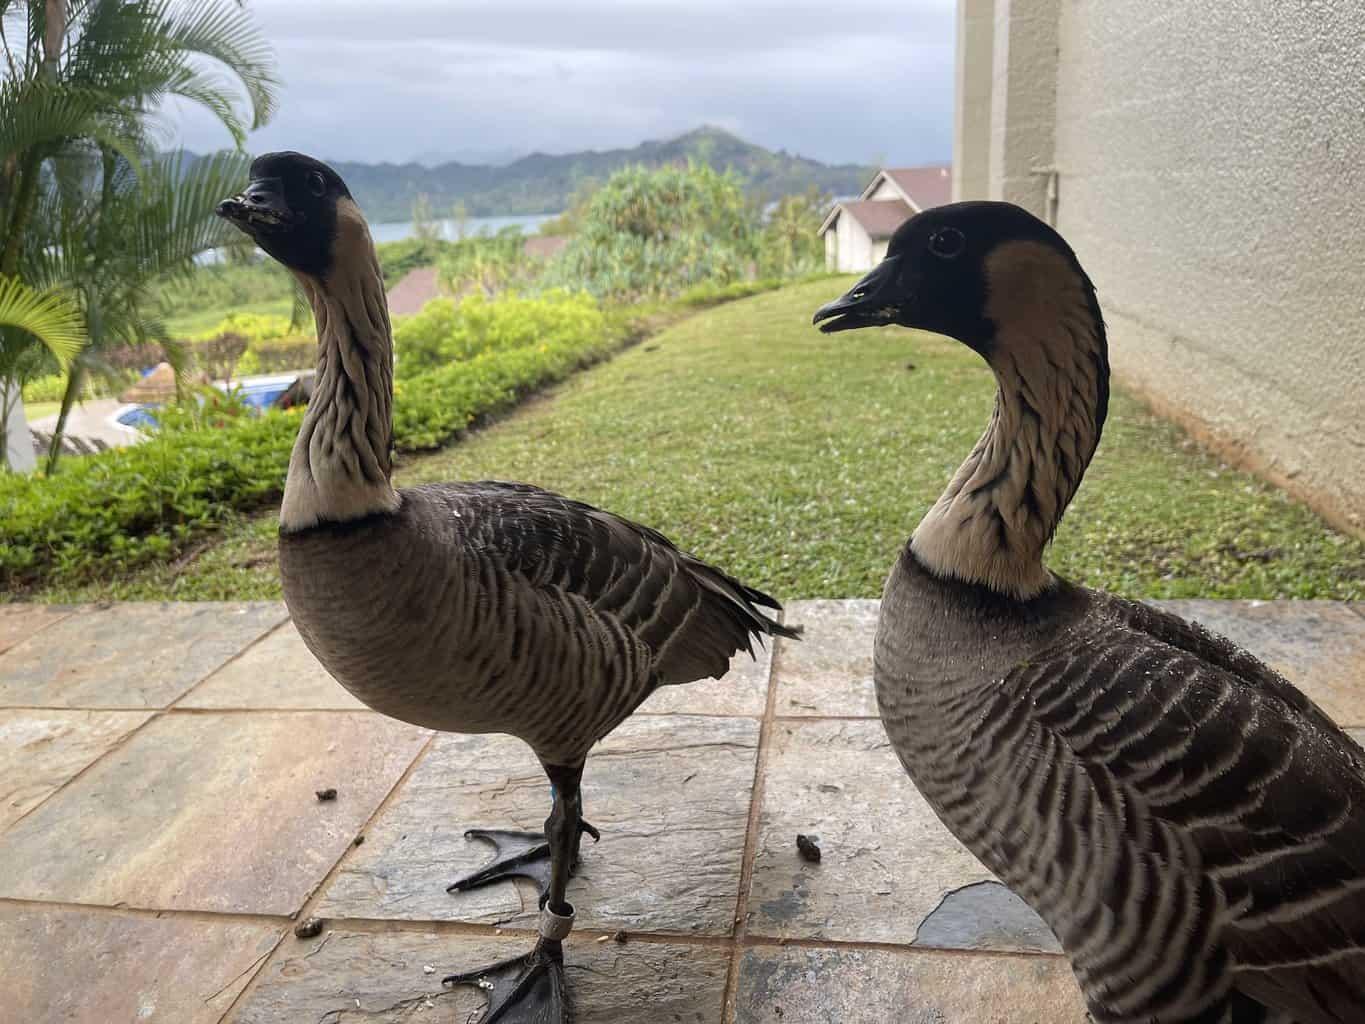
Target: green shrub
(222, 286)
(251, 326)
(132, 505)
(295, 352)
(446, 331)
(488, 263)
(398, 258)
(48, 388)
(655, 233)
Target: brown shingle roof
(926, 186)
(879, 217)
(415, 290)
(542, 247)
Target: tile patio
(160, 837)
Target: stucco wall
(854, 246)
(1211, 156)
(972, 113)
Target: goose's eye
(947, 243)
(316, 184)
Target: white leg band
(554, 926)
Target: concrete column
(20, 456)
(1023, 101)
(972, 106)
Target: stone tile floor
(160, 836)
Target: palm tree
(51, 320)
(77, 111)
(121, 233)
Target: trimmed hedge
(133, 505)
(447, 331)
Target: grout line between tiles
(730, 994)
(156, 712)
(315, 897)
(232, 660)
(117, 745)
(70, 611)
(473, 930)
(236, 917)
(774, 942)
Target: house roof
(879, 217)
(413, 291)
(921, 187)
(542, 247)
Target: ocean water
(393, 231)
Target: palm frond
(49, 316)
(226, 32)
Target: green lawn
(190, 325)
(802, 461)
(37, 410)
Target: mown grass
(37, 410)
(802, 461)
(203, 320)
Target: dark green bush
(133, 505)
(447, 331)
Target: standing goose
(1190, 825)
(469, 607)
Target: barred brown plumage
(1190, 825)
(470, 607)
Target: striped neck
(1050, 358)
(340, 466)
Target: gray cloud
(856, 81)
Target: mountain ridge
(544, 183)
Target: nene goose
(469, 607)
(1190, 825)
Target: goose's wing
(691, 616)
(1203, 817)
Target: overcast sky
(837, 80)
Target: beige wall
(972, 117)
(885, 190)
(1211, 177)
(852, 252)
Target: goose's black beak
(260, 207)
(874, 301)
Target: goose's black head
(956, 270)
(291, 209)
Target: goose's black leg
(530, 989)
(524, 854)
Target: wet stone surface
(396, 979)
(41, 750)
(18, 622)
(829, 671)
(886, 861)
(1319, 646)
(854, 986)
(99, 967)
(277, 672)
(166, 825)
(129, 655)
(670, 795)
(210, 812)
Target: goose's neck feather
(340, 467)
(1050, 360)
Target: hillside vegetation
(544, 183)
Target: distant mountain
(540, 183)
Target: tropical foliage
(86, 208)
(487, 263)
(650, 233)
(126, 506)
(447, 331)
